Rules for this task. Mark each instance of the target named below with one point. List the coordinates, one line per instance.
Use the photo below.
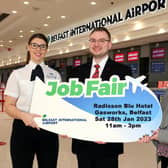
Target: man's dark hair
(101, 29)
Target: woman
(160, 136)
(27, 138)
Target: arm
(159, 135)
(14, 112)
(162, 135)
(163, 131)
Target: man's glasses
(41, 46)
(100, 41)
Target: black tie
(37, 72)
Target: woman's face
(37, 49)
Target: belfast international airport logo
(46, 120)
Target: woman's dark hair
(37, 35)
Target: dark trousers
(106, 162)
(164, 162)
(27, 141)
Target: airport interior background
(139, 31)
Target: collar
(102, 62)
(32, 64)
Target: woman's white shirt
(19, 85)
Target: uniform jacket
(93, 149)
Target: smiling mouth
(96, 49)
(37, 55)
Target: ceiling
(34, 15)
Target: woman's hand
(13, 111)
(155, 135)
(63, 136)
(145, 139)
(100, 142)
(28, 119)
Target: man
(98, 154)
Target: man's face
(99, 44)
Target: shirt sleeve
(163, 134)
(58, 76)
(12, 87)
